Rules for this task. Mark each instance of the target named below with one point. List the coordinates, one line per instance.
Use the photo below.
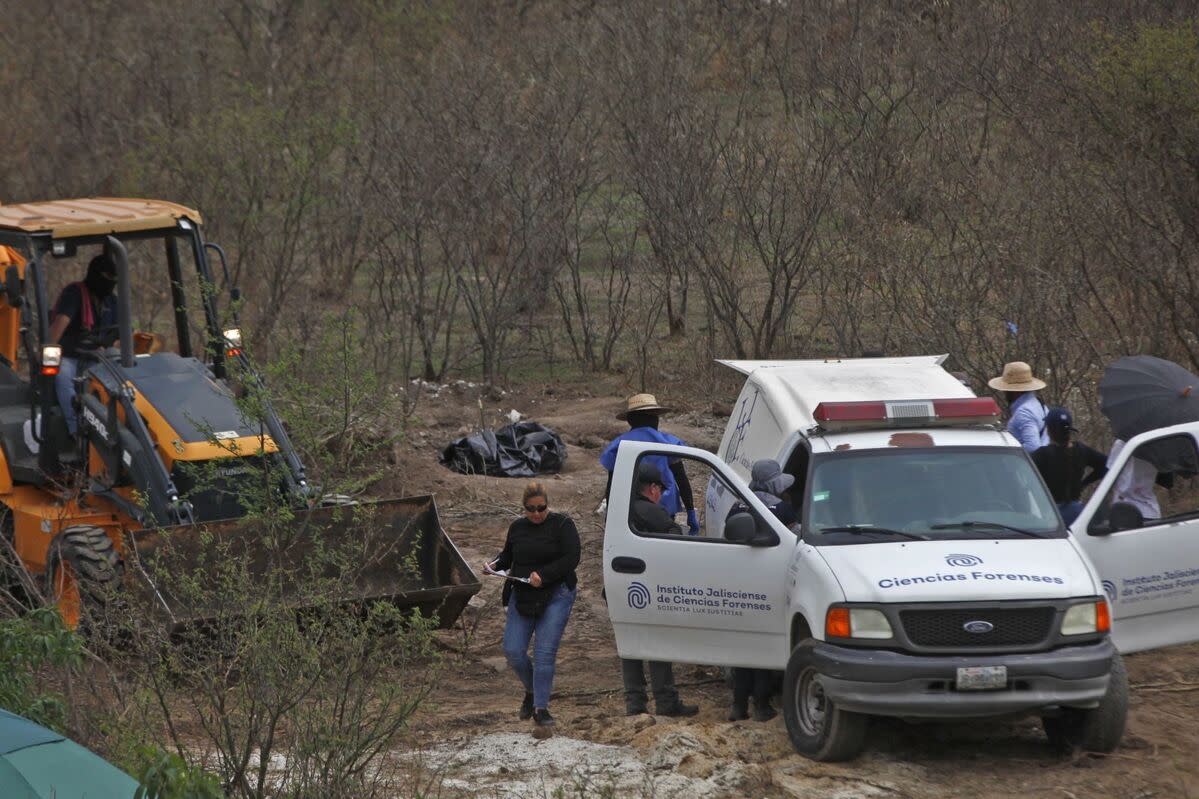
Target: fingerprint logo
(638, 596)
(963, 560)
(1109, 588)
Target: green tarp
(37, 763)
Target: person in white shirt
(1135, 483)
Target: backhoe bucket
(389, 550)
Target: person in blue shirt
(642, 412)
(1026, 421)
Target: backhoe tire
(817, 727)
(83, 578)
(1097, 729)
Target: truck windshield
(937, 493)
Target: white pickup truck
(930, 576)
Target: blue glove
(692, 522)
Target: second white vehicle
(931, 576)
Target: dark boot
(739, 711)
(543, 723)
(678, 709)
(763, 711)
(632, 673)
(526, 708)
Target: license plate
(981, 678)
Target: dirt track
(473, 714)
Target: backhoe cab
(160, 440)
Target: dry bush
(808, 179)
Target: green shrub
(165, 775)
(28, 645)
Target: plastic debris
(518, 450)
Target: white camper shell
(929, 576)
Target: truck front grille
(948, 628)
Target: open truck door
(713, 598)
(1149, 564)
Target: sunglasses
(535, 508)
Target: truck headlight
(233, 342)
(1087, 617)
(868, 623)
(856, 623)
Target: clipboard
(506, 576)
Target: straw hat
(1017, 376)
(641, 402)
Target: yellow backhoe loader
(89, 513)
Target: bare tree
(594, 300)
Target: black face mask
(100, 285)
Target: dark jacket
(1064, 469)
(76, 302)
(647, 516)
(781, 508)
(551, 549)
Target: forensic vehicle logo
(638, 596)
(963, 560)
(978, 626)
(1109, 588)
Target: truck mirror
(765, 538)
(12, 286)
(740, 527)
(1124, 516)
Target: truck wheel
(1097, 729)
(83, 574)
(818, 728)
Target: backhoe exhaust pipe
(116, 251)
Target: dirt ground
(471, 738)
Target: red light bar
(850, 412)
(890, 413)
(967, 407)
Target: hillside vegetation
(479, 190)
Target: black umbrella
(1140, 393)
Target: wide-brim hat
(642, 403)
(767, 475)
(1017, 376)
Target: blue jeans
(1069, 511)
(64, 387)
(537, 675)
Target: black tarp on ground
(523, 449)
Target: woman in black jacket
(544, 547)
